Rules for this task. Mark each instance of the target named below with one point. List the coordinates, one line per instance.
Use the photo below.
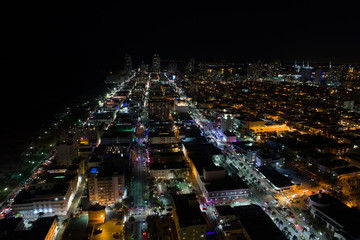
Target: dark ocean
(34, 103)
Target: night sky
(88, 35)
(54, 48)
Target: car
(98, 231)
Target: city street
(256, 195)
(139, 180)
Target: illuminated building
(159, 108)
(105, 185)
(169, 170)
(255, 71)
(66, 150)
(269, 128)
(128, 64)
(341, 220)
(162, 137)
(219, 188)
(189, 221)
(335, 76)
(273, 69)
(190, 66)
(48, 198)
(227, 123)
(181, 106)
(156, 63)
(247, 149)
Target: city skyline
(130, 120)
(233, 144)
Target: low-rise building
(278, 181)
(189, 221)
(343, 221)
(161, 137)
(346, 173)
(225, 214)
(225, 190)
(169, 170)
(48, 199)
(247, 149)
(96, 214)
(257, 224)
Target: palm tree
(65, 222)
(281, 223)
(312, 236)
(131, 219)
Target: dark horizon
(52, 48)
(94, 36)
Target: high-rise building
(159, 108)
(307, 74)
(255, 71)
(67, 149)
(190, 66)
(105, 185)
(203, 68)
(318, 76)
(335, 76)
(172, 67)
(273, 69)
(227, 123)
(128, 64)
(144, 67)
(156, 63)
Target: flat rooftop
(226, 184)
(346, 170)
(275, 177)
(258, 224)
(188, 210)
(225, 210)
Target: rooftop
(258, 224)
(275, 177)
(228, 183)
(188, 210)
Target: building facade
(105, 187)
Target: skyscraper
(190, 66)
(335, 75)
(172, 67)
(273, 69)
(255, 71)
(159, 108)
(156, 63)
(128, 65)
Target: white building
(49, 199)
